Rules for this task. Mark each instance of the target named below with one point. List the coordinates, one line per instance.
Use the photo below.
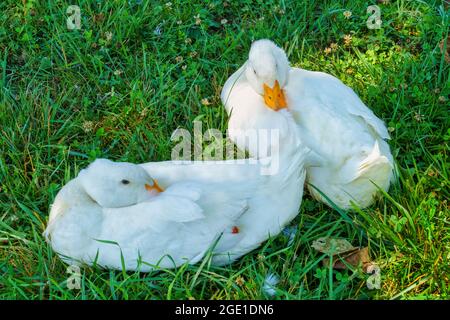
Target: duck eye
(254, 71)
(124, 181)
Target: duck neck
(290, 144)
(287, 153)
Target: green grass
(67, 97)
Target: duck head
(267, 72)
(117, 184)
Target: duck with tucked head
(350, 161)
(117, 209)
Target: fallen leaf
(343, 254)
(332, 246)
(353, 258)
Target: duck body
(349, 159)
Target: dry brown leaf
(332, 246)
(343, 253)
(353, 258)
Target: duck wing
(335, 94)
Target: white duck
(113, 209)
(349, 159)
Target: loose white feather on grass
(270, 283)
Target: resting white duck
(118, 209)
(349, 159)
(111, 209)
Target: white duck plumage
(349, 158)
(95, 217)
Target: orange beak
(274, 97)
(154, 187)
